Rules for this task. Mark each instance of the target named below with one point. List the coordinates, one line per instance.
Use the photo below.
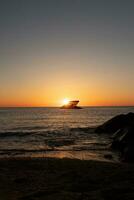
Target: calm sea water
(54, 132)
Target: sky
(75, 49)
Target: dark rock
(128, 154)
(123, 141)
(122, 127)
(20, 180)
(108, 156)
(118, 138)
(116, 123)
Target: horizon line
(59, 106)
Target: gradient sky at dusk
(76, 49)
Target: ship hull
(67, 107)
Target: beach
(68, 179)
(52, 154)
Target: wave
(83, 129)
(6, 134)
(30, 128)
(5, 151)
(39, 131)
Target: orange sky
(33, 87)
(54, 95)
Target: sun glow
(65, 101)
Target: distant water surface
(54, 132)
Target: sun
(65, 101)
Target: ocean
(54, 132)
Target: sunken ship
(71, 105)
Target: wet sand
(66, 179)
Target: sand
(66, 179)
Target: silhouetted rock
(128, 153)
(123, 141)
(119, 138)
(123, 138)
(116, 123)
(108, 156)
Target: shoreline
(96, 155)
(69, 179)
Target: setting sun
(65, 101)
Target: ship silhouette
(71, 105)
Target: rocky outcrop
(116, 123)
(123, 141)
(122, 128)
